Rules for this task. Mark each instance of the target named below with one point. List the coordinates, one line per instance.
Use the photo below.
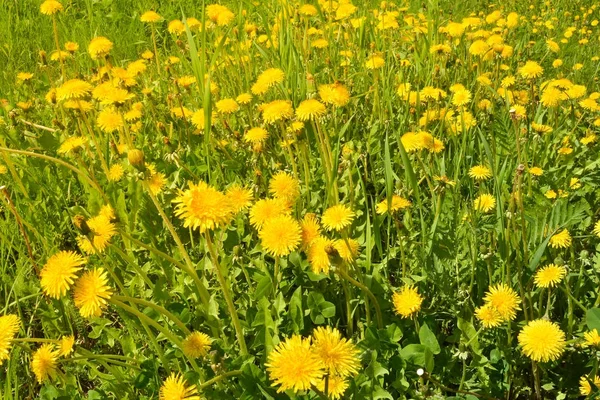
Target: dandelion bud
(136, 158)
(81, 224)
(43, 59)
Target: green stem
(219, 378)
(344, 274)
(157, 308)
(227, 295)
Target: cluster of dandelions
(322, 363)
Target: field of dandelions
(290, 199)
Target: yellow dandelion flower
(292, 365)
(277, 110)
(283, 185)
(50, 7)
(542, 340)
(99, 47)
(220, 15)
(484, 203)
(504, 300)
(150, 17)
(115, 173)
(66, 345)
(561, 240)
(109, 120)
(203, 207)
(91, 293)
(550, 275)
(536, 171)
(480, 172)
(398, 203)
(310, 109)
(348, 250)
(266, 80)
(489, 316)
(280, 235)
(239, 197)
(336, 386)
(335, 94)
(59, 273)
(592, 338)
(310, 229)
(44, 362)
(227, 106)
(337, 217)
(73, 89)
(374, 62)
(196, 344)
(266, 209)
(407, 301)
(256, 135)
(318, 254)
(175, 388)
(101, 232)
(9, 326)
(338, 355)
(72, 145)
(585, 388)
(531, 70)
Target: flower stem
(227, 295)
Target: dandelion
(310, 109)
(504, 300)
(407, 301)
(240, 198)
(266, 80)
(550, 275)
(531, 70)
(338, 355)
(72, 145)
(44, 362)
(174, 388)
(91, 293)
(66, 345)
(196, 344)
(484, 203)
(115, 173)
(73, 89)
(277, 110)
(266, 209)
(489, 316)
(284, 186)
(280, 235)
(536, 171)
(99, 47)
(59, 273)
(337, 217)
(227, 106)
(561, 240)
(292, 365)
(374, 62)
(542, 340)
(318, 254)
(150, 17)
(592, 338)
(584, 385)
(109, 120)
(50, 7)
(9, 326)
(461, 98)
(480, 172)
(336, 386)
(101, 231)
(398, 203)
(347, 249)
(202, 207)
(335, 94)
(256, 135)
(219, 14)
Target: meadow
(285, 199)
